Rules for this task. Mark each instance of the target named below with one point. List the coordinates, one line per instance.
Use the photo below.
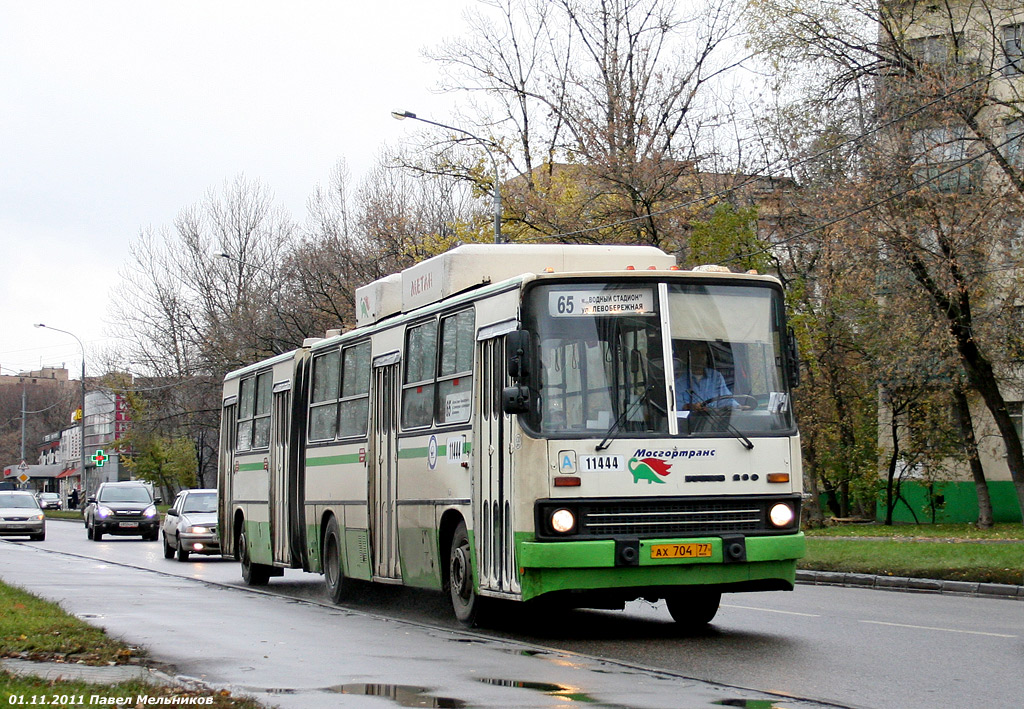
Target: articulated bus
(583, 424)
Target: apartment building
(954, 94)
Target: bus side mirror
(517, 348)
(793, 360)
(515, 400)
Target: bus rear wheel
(253, 574)
(693, 610)
(334, 575)
(465, 601)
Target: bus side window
(455, 378)
(261, 417)
(246, 401)
(323, 401)
(418, 386)
(355, 390)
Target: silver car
(190, 526)
(21, 515)
(49, 500)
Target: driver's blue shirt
(691, 390)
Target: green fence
(951, 502)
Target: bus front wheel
(334, 575)
(693, 610)
(253, 574)
(465, 601)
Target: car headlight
(563, 521)
(197, 530)
(39, 516)
(781, 514)
(102, 511)
(150, 511)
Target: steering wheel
(735, 397)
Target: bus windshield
(648, 360)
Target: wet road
(851, 647)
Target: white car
(190, 526)
(20, 514)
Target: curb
(91, 674)
(901, 583)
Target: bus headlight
(781, 514)
(563, 521)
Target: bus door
(493, 508)
(278, 473)
(226, 474)
(384, 468)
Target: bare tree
(600, 107)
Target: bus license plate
(680, 551)
(128, 525)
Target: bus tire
(334, 574)
(253, 574)
(692, 610)
(465, 601)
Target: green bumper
(546, 567)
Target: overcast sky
(116, 115)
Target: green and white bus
(583, 424)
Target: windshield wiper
(608, 437)
(723, 418)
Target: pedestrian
(74, 499)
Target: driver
(696, 382)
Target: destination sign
(583, 303)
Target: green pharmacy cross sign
(99, 457)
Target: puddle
(748, 703)
(403, 695)
(571, 694)
(529, 653)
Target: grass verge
(998, 532)
(64, 514)
(34, 629)
(948, 552)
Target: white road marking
(770, 610)
(945, 630)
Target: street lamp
(402, 115)
(220, 253)
(85, 483)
